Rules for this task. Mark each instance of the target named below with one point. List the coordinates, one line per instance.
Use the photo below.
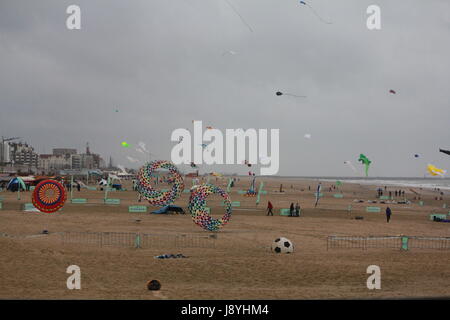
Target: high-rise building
(68, 158)
(22, 154)
(51, 162)
(4, 153)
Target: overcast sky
(161, 63)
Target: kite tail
(240, 16)
(294, 95)
(317, 15)
(367, 170)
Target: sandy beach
(241, 264)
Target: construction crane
(9, 139)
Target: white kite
(351, 165)
(133, 160)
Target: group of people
(397, 193)
(294, 211)
(77, 186)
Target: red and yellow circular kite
(49, 196)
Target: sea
(425, 183)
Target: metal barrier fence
(429, 243)
(178, 241)
(393, 242)
(139, 240)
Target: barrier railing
(139, 240)
(393, 242)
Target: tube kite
(445, 151)
(364, 160)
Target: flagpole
(106, 190)
(71, 188)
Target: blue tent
(168, 209)
(16, 183)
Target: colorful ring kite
(155, 197)
(49, 196)
(197, 207)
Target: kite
(315, 12)
(229, 52)
(197, 207)
(350, 165)
(155, 197)
(49, 196)
(392, 91)
(125, 144)
(252, 191)
(416, 156)
(209, 128)
(264, 159)
(435, 171)
(216, 174)
(247, 163)
(319, 188)
(132, 159)
(444, 151)
(279, 93)
(142, 146)
(364, 160)
(240, 16)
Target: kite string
(316, 14)
(293, 95)
(240, 16)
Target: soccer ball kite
(282, 245)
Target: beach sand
(241, 266)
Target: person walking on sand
(297, 210)
(291, 210)
(388, 214)
(269, 208)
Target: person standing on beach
(297, 210)
(388, 214)
(269, 208)
(291, 210)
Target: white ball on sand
(282, 245)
